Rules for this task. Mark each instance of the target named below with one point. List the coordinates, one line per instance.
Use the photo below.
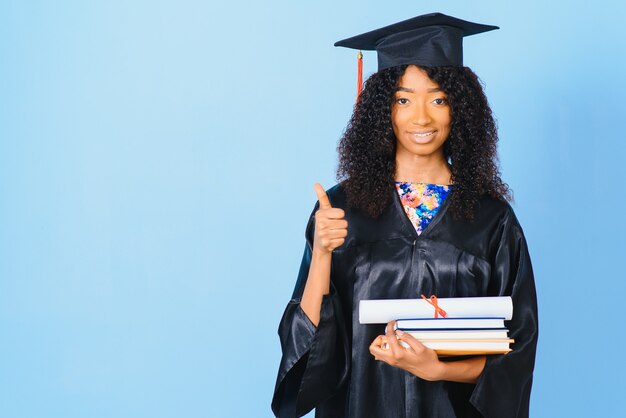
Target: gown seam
(356, 245)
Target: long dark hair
(367, 148)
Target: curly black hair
(367, 148)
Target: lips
(422, 134)
(422, 137)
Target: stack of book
(471, 326)
(459, 336)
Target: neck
(422, 169)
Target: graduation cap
(430, 40)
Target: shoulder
(491, 209)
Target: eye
(439, 101)
(402, 101)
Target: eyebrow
(408, 90)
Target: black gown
(330, 368)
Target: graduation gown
(330, 368)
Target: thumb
(322, 197)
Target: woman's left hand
(417, 359)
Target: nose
(421, 116)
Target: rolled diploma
(384, 310)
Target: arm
(330, 231)
(463, 371)
(315, 350)
(317, 285)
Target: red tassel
(359, 80)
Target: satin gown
(329, 367)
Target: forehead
(415, 78)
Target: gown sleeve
(314, 361)
(503, 389)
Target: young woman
(421, 209)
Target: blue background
(156, 168)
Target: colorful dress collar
(421, 201)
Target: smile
(422, 134)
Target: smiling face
(420, 115)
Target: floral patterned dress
(421, 201)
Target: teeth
(423, 135)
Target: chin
(426, 150)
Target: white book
(468, 345)
(459, 335)
(461, 348)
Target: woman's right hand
(331, 228)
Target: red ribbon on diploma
(433, 301)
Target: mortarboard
(430, 40)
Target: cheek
(399, 118)
(445, 121)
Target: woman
(421, 210)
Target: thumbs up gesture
(331, 228)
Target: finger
(331, 213)
(394, 345)
(380, 354)
(413, 342)
(378, 341)
(322, 196)
(376, 349)
(340, 224)
(335, 233)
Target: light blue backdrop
(156, 168)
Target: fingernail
(399, 333)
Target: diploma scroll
(384, 310)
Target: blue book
(449, 323)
